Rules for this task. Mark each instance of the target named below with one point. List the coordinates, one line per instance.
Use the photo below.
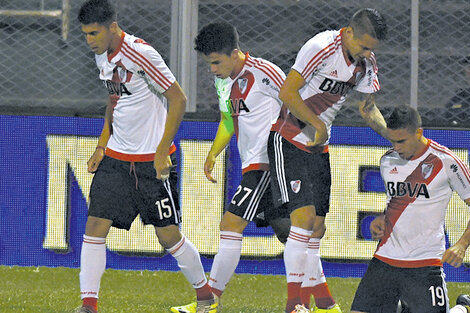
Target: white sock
(295, 253)
(313, 267)
(226, 260)
(189, 262)
(458, 309)
(92, 265)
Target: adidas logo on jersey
(393, 171)
(334, 74)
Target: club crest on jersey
(426, 170)
(122, 74)
(242, 84)
(295, 185)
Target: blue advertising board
(44, 186)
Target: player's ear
(349, 31)
(113, 27)
(234, 54)
(419, 133)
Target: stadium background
(52, 102)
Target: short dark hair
(369, 21)
(97, 11)
(219, 37)
(404, 116)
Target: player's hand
(209, 166)
(377, 227)
(95, 159)
(454, 255)
(321, 136)
(162, 165)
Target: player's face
(406, 143)
(359, 48)
(221, 65)
(98, 37)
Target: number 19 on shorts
(438, 296)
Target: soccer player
(248, 92)
(420, 176)
(327, 67)
(134, 160)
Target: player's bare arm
(377, 227)
(289, 94)
(98, 155)
(455, 254)
(222, 138)
(372, 115)
(176, 108)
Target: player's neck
(239, 64)
(115, 41)
(422, 147)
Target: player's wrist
(100, 148)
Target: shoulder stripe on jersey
(315, 59)
(271, 72)
(449, 152)
(155, 75)
(374, 62)
(267, 69)
(321, 55)
(324, 57)
(150, 65)
(249, 61)
(376, 85)
(158, 76)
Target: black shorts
(423, 289)
(253, 199)
(119, 192)
(299, 178)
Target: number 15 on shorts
(164, 209)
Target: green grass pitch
(56, 290)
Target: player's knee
(303, 217)
(232, 222)
(97, 227)
(168, 236)
(319, 231)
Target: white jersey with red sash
(329, 76)
(135, 76)
(419, 191)
(254, 105)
